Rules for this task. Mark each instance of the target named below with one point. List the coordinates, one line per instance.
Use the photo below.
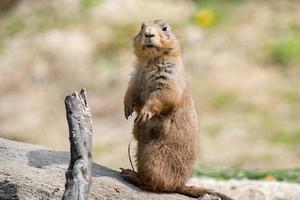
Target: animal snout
(149, 35)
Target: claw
(128, 110)
(125, 113)
(143, 117)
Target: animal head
(155, 40)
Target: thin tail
(196, 192)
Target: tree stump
(79, 173)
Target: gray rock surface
(33, 172)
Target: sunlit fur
(166, 127)
(165, 43)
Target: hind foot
(130, 176)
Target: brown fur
(166, 124)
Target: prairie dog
(166, 126)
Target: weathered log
(79, 173)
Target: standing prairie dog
(166, 127)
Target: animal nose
(149, 35)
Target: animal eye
(165, 28)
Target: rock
(35, 172)
(31, 172)
(251, 193)
(209, 197)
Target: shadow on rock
(44, 157)
(8, 191)
(99, 170)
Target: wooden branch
(78, 175)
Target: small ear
(143, 25)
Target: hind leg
(159, 169)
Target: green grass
(120, 39)
(285, 51)
(213, 130)
(15, 24)
(291, 138)
(89, 3)
(224, 99)
(38, 21)
(291, 175)
(44, 20)
(291, 96)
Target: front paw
(144, 116)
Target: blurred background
(242, 59)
